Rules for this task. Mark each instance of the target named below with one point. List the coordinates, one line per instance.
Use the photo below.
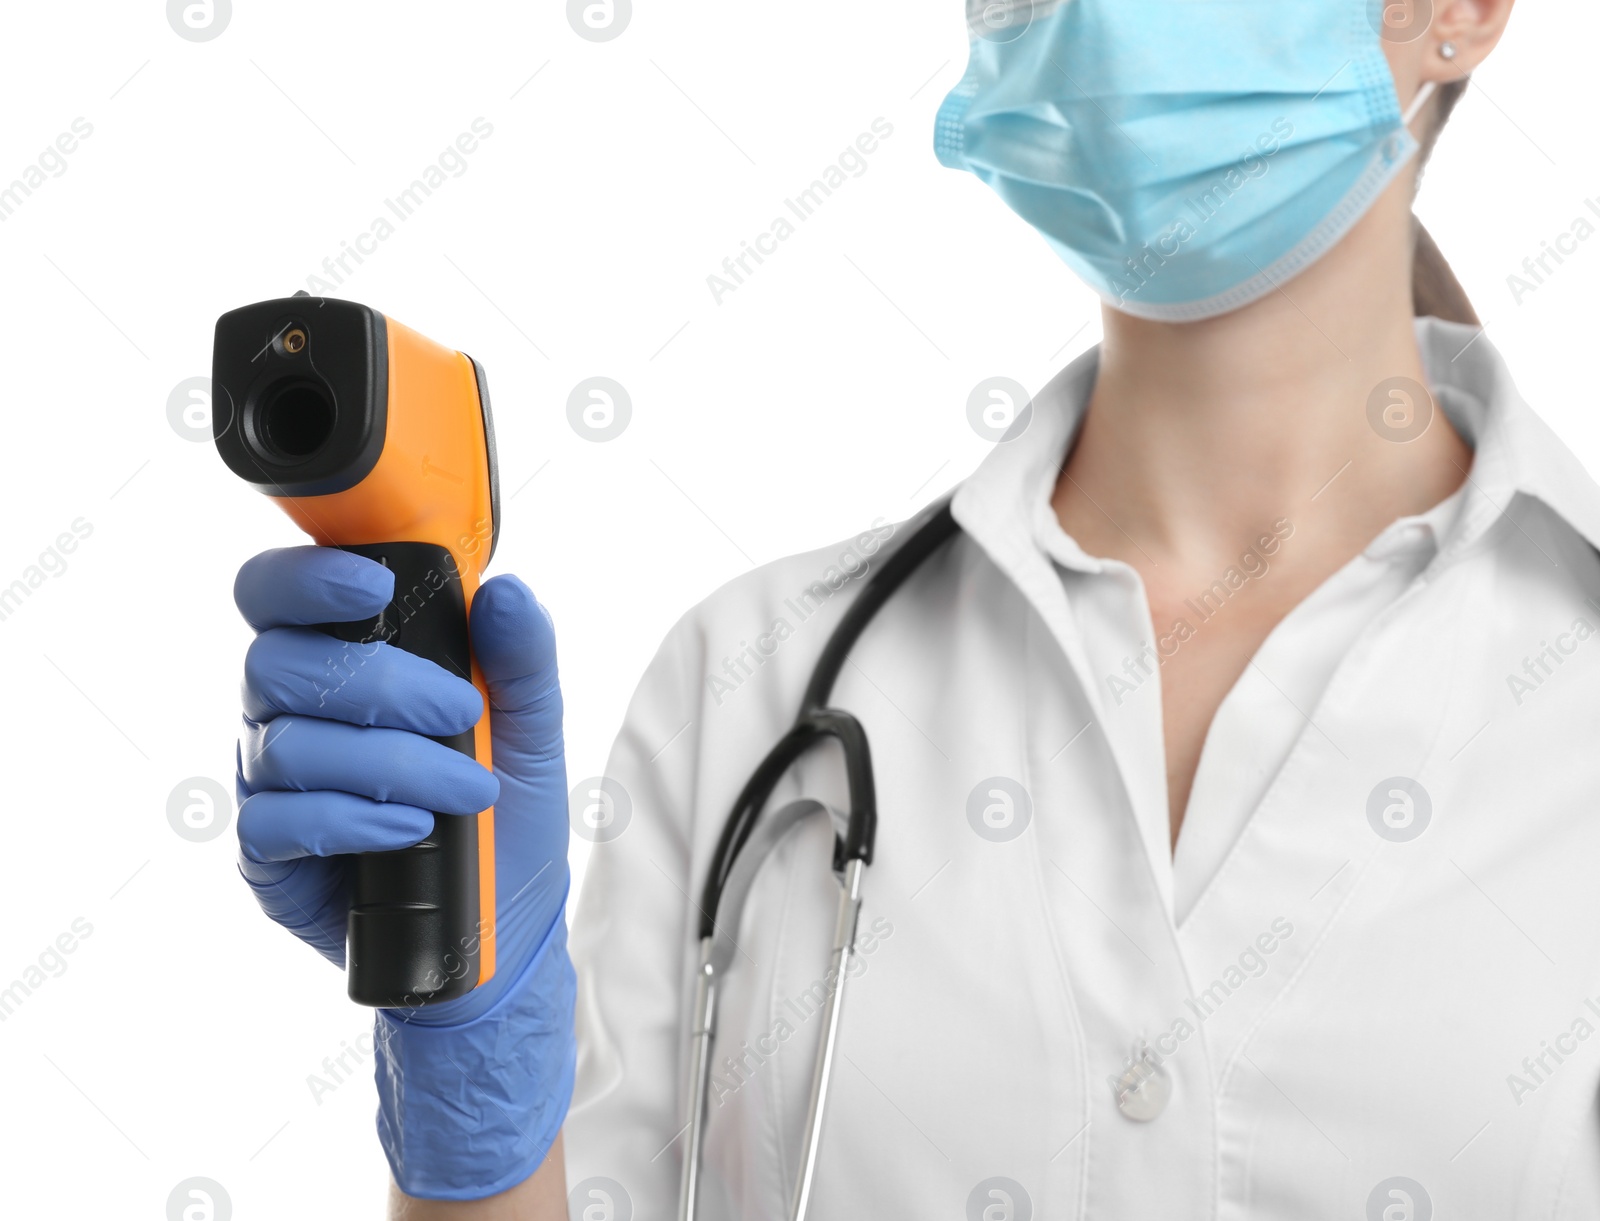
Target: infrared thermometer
(377, 440)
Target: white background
(828, 390)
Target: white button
(1144, 1087)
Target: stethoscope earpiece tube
(716, 956)
(844, 946)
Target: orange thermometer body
(377, 440)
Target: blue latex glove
(332, 761)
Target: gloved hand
(334, 760)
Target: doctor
(1236, 782)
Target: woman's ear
(1471, 29)
(1438, 41)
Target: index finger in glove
(295, 586)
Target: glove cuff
(468, 1111)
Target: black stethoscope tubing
(816, 722)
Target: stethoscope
(747, 840)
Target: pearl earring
(1447, 51)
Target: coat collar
(1515, 453)
(1004, 507)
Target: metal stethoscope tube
(715, 957)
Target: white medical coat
(1353, 1015)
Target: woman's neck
(1199, 435)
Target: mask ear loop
(1418, 102)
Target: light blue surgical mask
(1185, 157)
